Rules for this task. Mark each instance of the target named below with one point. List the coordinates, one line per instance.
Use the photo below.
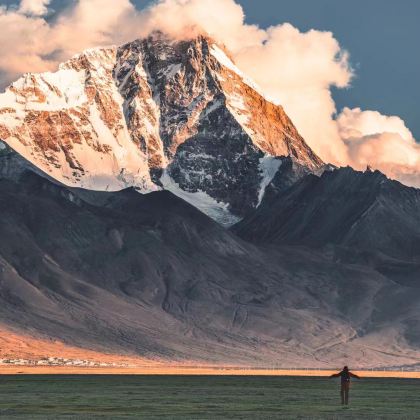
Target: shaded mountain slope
(151, 275)
(361, 211)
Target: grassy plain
(203, 397)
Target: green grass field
(203, 397)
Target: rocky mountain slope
(151, 275)
(364, 211)
(154, 113)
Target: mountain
(109, 171)
(356, 217)
(357, 210)
(154, 113)
(126, 273)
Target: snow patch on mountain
(216, 210)
(223, 59)
(269, 166)
(172, 70)
(46, 92)
(237, 106)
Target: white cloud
(383, 142)
(34, 7)
(296, 69)
(29, 43)
(358, 123)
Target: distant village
(58, 361)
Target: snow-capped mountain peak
(154, 113)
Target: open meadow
(203, 397)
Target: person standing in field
(346, 376)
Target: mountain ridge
(154, 113)
(151, 275)
(358, 210)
